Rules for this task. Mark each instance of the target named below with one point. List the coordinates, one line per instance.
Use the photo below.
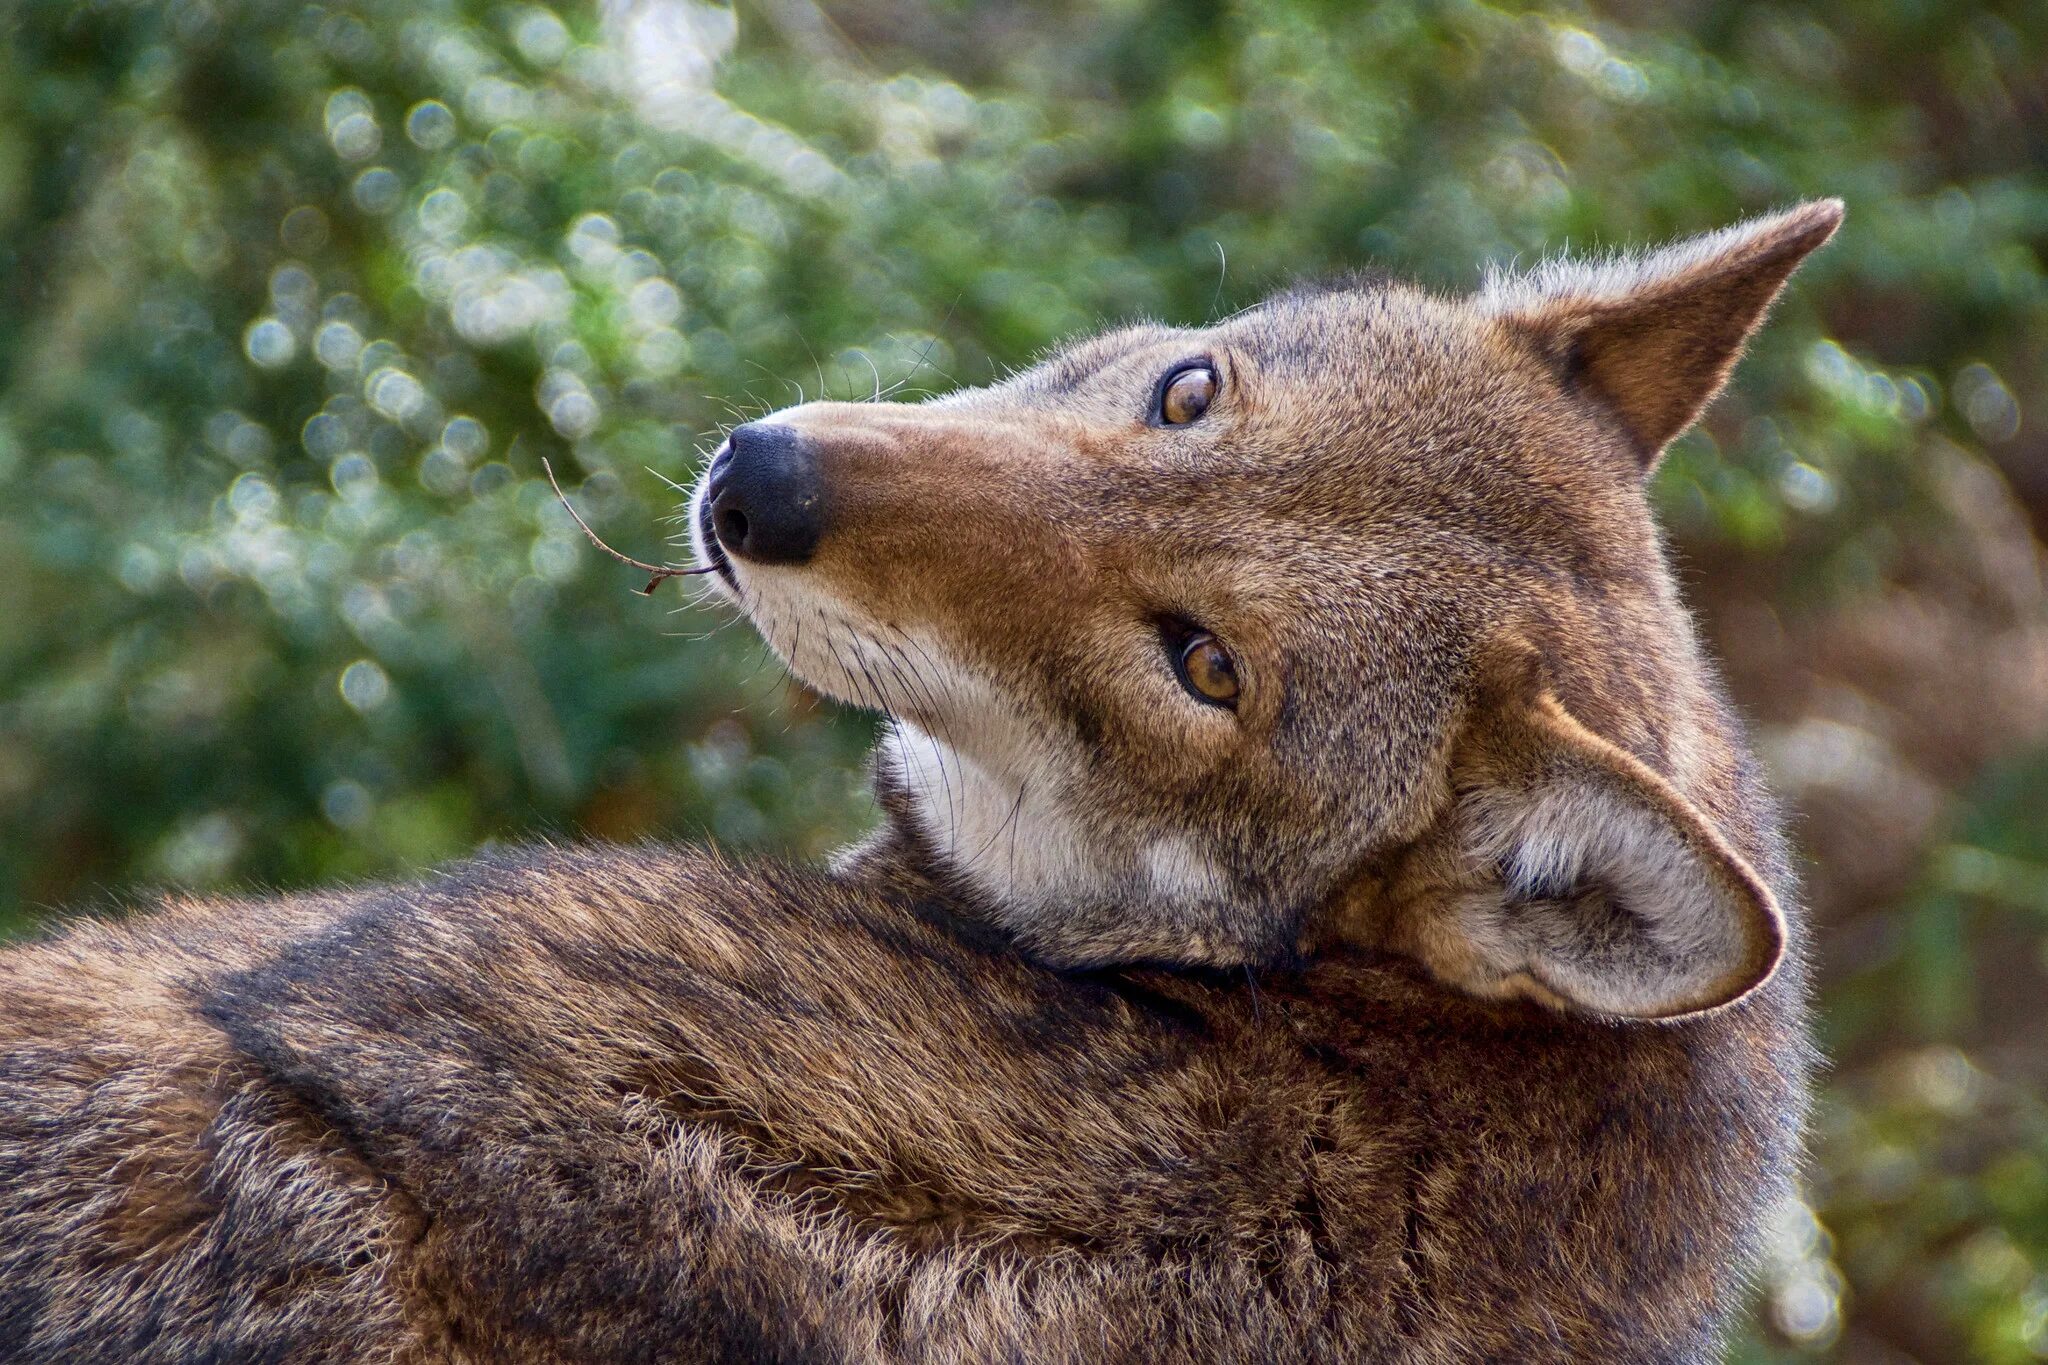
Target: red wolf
(1325, 911)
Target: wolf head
(1345, 616)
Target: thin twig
(660, 571)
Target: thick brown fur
(1441, 1002)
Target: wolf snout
(766, 495)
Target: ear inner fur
(1572, 873)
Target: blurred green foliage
(294, 299)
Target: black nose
(766, 497)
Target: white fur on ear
(1618, 904)
(1620, 276)
(1570, 872)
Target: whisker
(921, 693)
(1008, 822)
(804, 341)
(1023, 787)
(941, 723)
(769, 652)
(673, 485)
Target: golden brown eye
(1186, 395)
(1207, 670)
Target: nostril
(732, 526)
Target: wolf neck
(1031, 865)
(1009, 839)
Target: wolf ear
(1654, 336)
(1571, 873)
